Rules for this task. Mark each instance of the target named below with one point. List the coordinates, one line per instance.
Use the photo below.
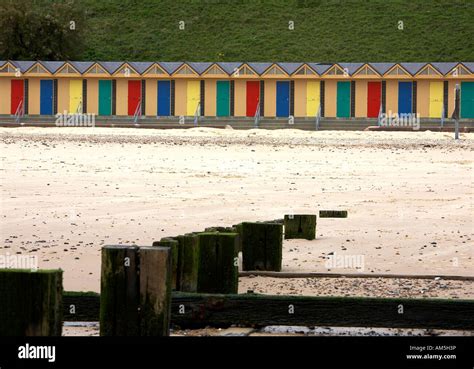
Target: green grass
(257, 30)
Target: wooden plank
(352, 275)
(199, 310)
(30, 302)
(263, 310)
(333, 213)
(81, 306)
(220, 229)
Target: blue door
(46, 97)
(164, 98)
(404, 97)
(283, 99)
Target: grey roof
(413, 68)
(229, 68)
(319, 67)
(290, 68)
(81, 66)
(444, 68)
(52, 66)
(351, 67)
(201, 67)
(23, 65)
(140, 67)
(382, 68)
(111, 67)
(170, 67)
(469, 65)
(260, 68)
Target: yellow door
(436, 99)
(312, 98)
(75, 95)
(193, 97)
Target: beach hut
(235, 89)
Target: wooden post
(189, 264)
(262, 245)
(233, 229)
(135, 291)
(218, 267)
(173, 245)
(300, 226)
(238, 229)
(456, 112)
(179, 262)
(31, 302)
(155, 291)
(119, 287)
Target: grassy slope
(257, 30)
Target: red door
(134, 95)
(17, 94)
(374, 92)
(253, 95)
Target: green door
(343, 99)
(467, 99)
(222, 96)
(105, 97)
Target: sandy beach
(66, 192)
